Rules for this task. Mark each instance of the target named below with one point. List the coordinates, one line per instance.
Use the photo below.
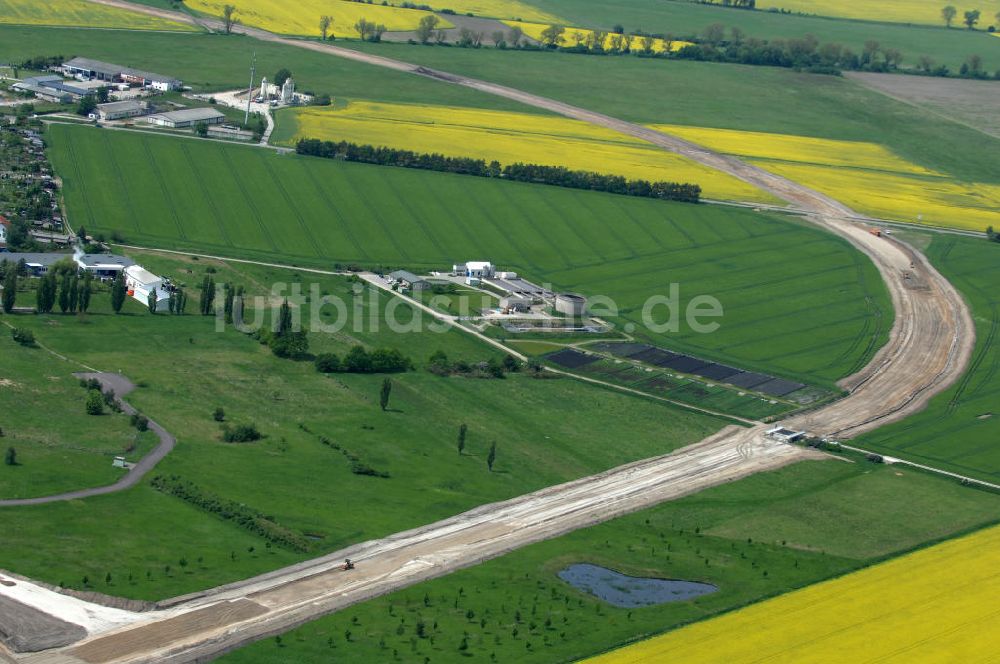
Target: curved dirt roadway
(121, 386)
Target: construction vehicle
(348, 565)
(876, 232)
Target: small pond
(630, 591)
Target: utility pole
(253, 70)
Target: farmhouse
(187, 117)
(4, 227)
(119, 110)
(86, 68)
(140, 283)
(409, 280)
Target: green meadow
(546, 431)
(756, 538)
(796, 301)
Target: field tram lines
(977, 360)
(417, 218)
(249, 200)
(207, 195)
(121, 182)
(341, 219)
(83, 190)
(291, 206)
(167, 197)
(555, 246)
(377, 216)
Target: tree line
(550, 175)
(359, 360)
(230, 510)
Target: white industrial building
(140, 283)
(187, 117)
(475, 269)
(288, 91)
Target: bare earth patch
(973, 103)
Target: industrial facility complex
(96, 70)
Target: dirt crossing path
(929, 348)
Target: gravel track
(122, 386)
(929, 348)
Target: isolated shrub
(327, 363)
(241, 433)
(23, 336)
(140, 422)
(95, 402)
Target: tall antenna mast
(253, 70)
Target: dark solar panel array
(686, 364)
(778, 387)
(749, 380)
(654, 356)
(717, 372)
(571, 359)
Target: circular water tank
(571, 304)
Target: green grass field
(758, 537)
(681, 19)
(187, 369)
(960, 429)
(177, 193)
(70, 452)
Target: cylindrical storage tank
(571, 304)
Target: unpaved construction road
(929, 347)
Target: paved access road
(121, 386)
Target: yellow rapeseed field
(866, 176)
(898, 11)
(511, 137)
(573, 36)
(302, 17)
(80, 13)
(935, 605)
